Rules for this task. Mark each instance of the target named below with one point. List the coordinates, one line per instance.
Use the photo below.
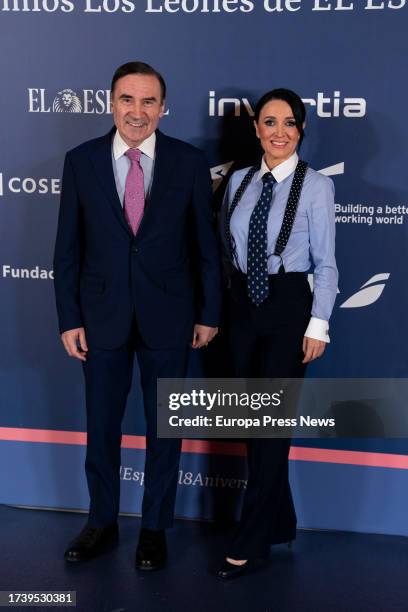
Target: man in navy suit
(135, 222)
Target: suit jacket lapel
(163, 167)
(101, 158)
(164, 163)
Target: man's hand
(202, 335)
(74, 342)
(312, 349)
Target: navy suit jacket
(167, 276)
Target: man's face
(137, 107)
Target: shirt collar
(281, 171)
(120, 147)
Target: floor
(324, 571)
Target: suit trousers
(266, 342)
(108, 377)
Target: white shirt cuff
(318, 329)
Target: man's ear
(162, 109)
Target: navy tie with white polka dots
(257, 264)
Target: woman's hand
(312, 349)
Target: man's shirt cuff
(318, 329)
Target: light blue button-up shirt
(311, 242)
(121, 163)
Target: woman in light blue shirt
(277, 222)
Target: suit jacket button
(135, 249)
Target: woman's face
(277, 131)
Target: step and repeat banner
(347, 61)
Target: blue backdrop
(347, 60)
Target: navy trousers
(266, 342)
(108, 377)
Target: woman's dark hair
(139, 68)
(291, 98)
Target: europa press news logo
(371, 290)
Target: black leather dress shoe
(230, 570)
(151, 552)
(91, 542)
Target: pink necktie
(134, 191)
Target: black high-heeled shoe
(230, 570)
